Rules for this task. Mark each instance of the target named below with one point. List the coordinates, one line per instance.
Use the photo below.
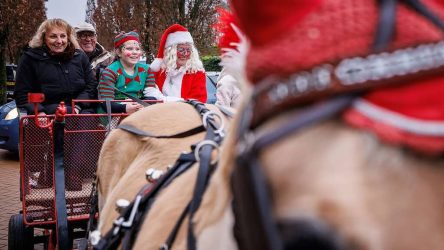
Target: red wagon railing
(58, 160)
(40, 155)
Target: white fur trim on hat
(178, 37)
(155, 65)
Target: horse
(125, 157)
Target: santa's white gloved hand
(153, 92)
(173, 99)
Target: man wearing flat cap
(98, 56)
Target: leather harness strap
(141, 133)
(206, 168)
(134, 98)
(386, 24)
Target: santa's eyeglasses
(184, 50)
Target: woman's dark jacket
(60, 80)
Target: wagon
(58, 159)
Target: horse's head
(303, 179)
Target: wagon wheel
(20, 236)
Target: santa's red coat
(193, 85)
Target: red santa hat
(294, 38)
(175, 34)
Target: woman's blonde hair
(38, 40)
(193, 65)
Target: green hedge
(211, 63)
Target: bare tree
(197, 15)
(114, 16)
(16, 29)
(152, 17)
(90, 8)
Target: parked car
(9, 127)
(211, 86)
(11, 70)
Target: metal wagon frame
(72, 143)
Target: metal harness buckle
(213, 115)
(127, 224)
(203, 143)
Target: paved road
(9, 193)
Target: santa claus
(178, 71)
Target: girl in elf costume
(126, 74)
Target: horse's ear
(234, 60)
(280, 16)
(233, 46)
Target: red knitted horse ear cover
(291, 36)
(294, 35)
(227, 35)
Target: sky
(73, 11)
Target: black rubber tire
(20, 237)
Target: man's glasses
(85, 36)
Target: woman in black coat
(54, 65)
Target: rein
(344, 79)
(126, 226)
(138, 132)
